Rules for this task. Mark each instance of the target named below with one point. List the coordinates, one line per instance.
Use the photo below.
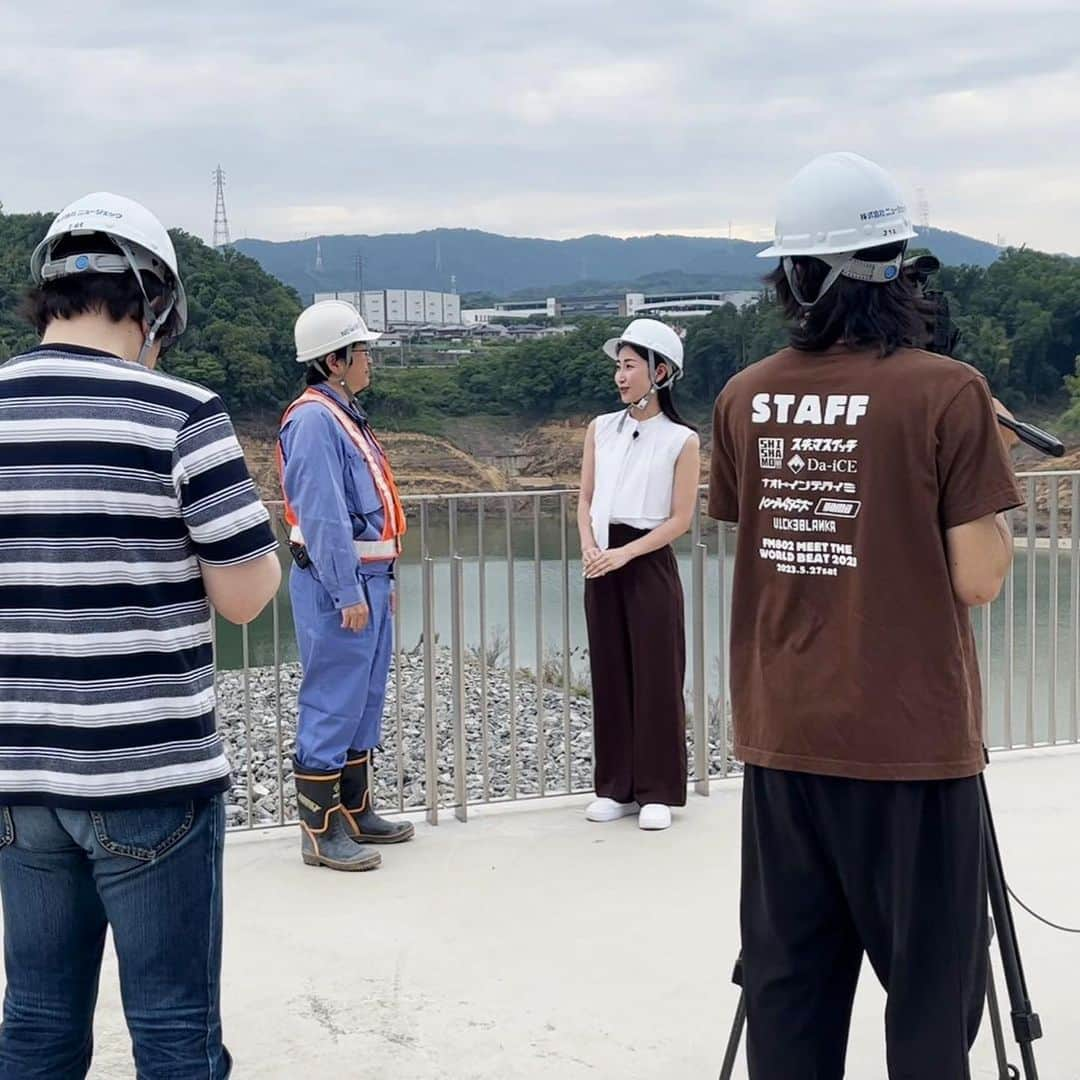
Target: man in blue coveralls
(346, 521)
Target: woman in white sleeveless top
(639, 479)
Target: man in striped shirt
(126, 509)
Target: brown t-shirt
(850, 655)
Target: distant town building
(628, 305)
(685, 304)
(512, 309)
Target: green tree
(1070, 420)
(985, 345)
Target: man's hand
(607, 561)
(354, 618)
(1009, 438)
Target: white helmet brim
(791, 246)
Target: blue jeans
(154, 876)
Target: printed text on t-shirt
(835, 409)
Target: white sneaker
(609, 810)
(655, 816)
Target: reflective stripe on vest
(388, 546)
(366, 550)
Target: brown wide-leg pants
(637, 653)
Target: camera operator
(868, 479)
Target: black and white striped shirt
(114, 482)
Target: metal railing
(488, 693)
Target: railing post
(511, 648)
(538, 632)
(250, 774)
(1009, 673)
(481, 580)
(398, 726)
(457, 648)
(722, 647)
(278, 748)
(431, 747)
(564, 582)
(1052, 721)
(1032, 588)
(985, 673)
(1074, 605)
(700, 696)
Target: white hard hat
(837, 204)
(328, 326)
(653, 335)
(141, 239)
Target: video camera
(942, 337)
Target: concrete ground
(531, 944)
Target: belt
(365, 549)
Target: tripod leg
(1026, 1025)
(1005, 1070)
(734, 1039)
(737, 1024)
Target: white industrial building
(387, 309)
(685, 305)
(656, 305)
(512, 309)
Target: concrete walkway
(509, 948)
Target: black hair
(667, 407)
(318, 370)
(861, 313)
(116, 295)
(314, 374)
(664, 396)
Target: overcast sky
(555, 119)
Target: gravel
(400, 778)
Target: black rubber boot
(366, 827)
(325, 832)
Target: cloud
(553, 120)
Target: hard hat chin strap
(323, 368)
(150, 316)
(654, 386)
(826, 285)
(845, 264)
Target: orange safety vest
(388, 546)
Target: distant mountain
(481, 262)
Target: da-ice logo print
(771, 453)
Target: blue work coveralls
(331, 490)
